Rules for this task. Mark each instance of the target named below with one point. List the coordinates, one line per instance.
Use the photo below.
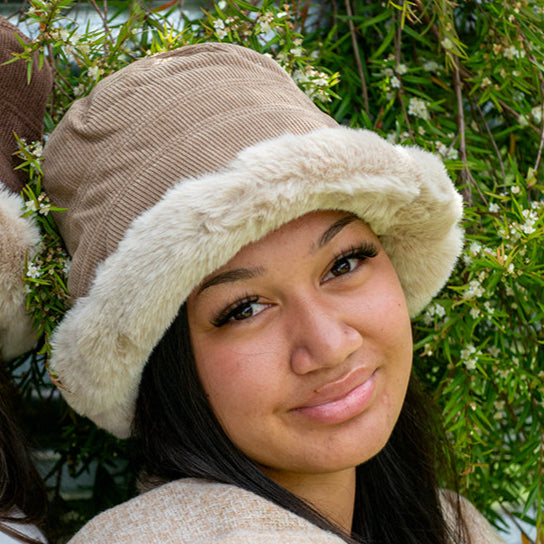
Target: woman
(243, 272)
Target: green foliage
(464, 80)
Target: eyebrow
(229, 276)
(333, 230)
(239, 274)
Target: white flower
(33, 271)
(395, 82)
(470, 364)
(93, 72)
(37, 149)
(474, 313)
(511, 52)
(523, 121)
(493, 207)
(441, 148)
(402, 69)
(84, 48)
(499, 407)
(418, 108)
(515, 190)
(536, 113)
(485, 82)
(388, 72)
(494, 351)
(431, 66)
(474, 290)
(440, 311)
(447, 44)
(528, 228)
(427, 320)
(219, 27)
(74, 38)
(31, 205)
(222, 4)
(45, 209)
(79, 90)
(468, 351)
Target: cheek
(385, 321)
(238, 383)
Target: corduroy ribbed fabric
(22, 103)
(160, 120)
(22, 107)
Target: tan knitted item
(173, 164)
(198, 512)
(22, 107)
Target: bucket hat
(177, 161)
(22, 108)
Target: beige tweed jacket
(199, 512)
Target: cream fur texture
(19, 238)
(404, 194)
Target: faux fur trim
(20, 237)
(404, 194)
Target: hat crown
(165, 118)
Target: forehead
(307, 233)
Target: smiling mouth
(339, 401)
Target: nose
(321, 336)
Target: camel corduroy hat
(177, 161)
(22, 107)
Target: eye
(350, 260)
(239, 311)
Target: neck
(332, 494)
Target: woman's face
(303, 345)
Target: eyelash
(362, 252)
(232, 309)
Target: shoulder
(479, 529)
(198, 512)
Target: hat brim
(19, 239)
(404, 194)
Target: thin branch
(515, 521)
(466, 175)
(104, 20)
(541, 145)
(398, 45)
(357, 57)
(531, 57)
(493, 142)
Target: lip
(342, 399)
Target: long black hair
(23, 497)
(397, 497)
